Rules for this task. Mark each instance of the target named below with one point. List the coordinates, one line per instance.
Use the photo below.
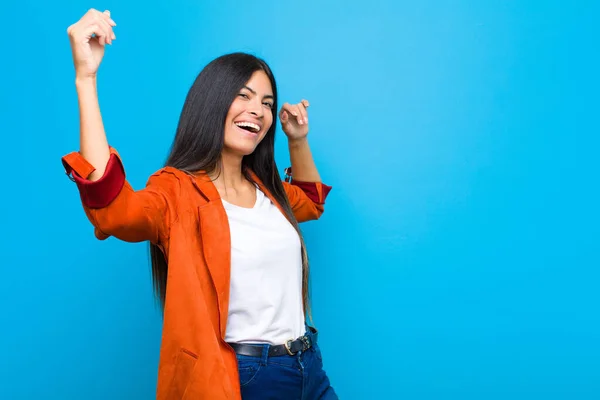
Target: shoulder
(169, 173)
(168, 179)
(177, 181)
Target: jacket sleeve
(306, 198)
(115, 209)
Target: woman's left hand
(294, 120)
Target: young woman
(228, 260)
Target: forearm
(303, 164)
(93, 143)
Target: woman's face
(250, 115)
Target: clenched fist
(294, 120)
(88, 37)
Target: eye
(244, 95)
(268, 104)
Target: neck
(230, 174)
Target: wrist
(297, 142)
(83, 81)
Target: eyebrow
(268, 96)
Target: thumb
(283, 117)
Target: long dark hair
(199, 142)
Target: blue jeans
(298, 377)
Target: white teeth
(250, 125)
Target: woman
(228, 260)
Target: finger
(93, 19)
(111, 31)
(306, 103)
(290, 109)
(283, 117)
(92, 15)
(106, 15)
(105, 21)
(298, 115)
(303, 112)
(107, 29)
(95, 29)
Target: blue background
(458, 255)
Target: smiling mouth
(248, 126)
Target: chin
(242, 151)
(242, 143)
(240, 148)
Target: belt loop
(311, 333)
(265, 354)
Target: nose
(255, 108)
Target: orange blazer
(184, 216)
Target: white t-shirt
(265, 304)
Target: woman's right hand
(88, 37)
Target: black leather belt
(291, 347)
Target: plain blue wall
(458, 255)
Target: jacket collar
(209, 191)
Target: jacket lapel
(216, 244)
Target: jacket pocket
(184, 365)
